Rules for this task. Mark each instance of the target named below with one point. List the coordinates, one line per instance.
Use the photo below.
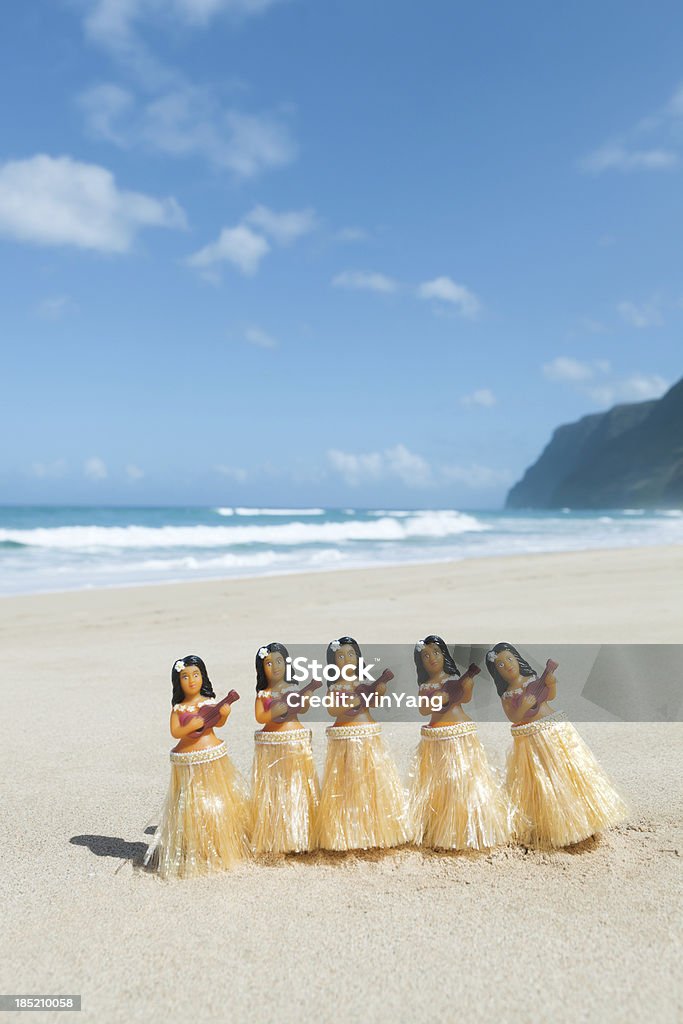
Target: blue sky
(292, 252)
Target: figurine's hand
(197, 723)
(224, 711)
(528, 701)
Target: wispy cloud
(411, 469)
(237, 474)
(641, 315)
(283, 228)
(240, 246)
(244, 247)
(363, 280)
(60, 201)
(56, 307)
(190, 121)
(652, 144)
(134, 472)
(568, 369)
(48, 470)
(444, 289)
(94, 468)
(482, 396)
(397, 462)
(637, 387)
(352, 234)
(260, 338)
(598, 381)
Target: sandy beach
(586, 934)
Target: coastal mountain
(628, 457)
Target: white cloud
(443, 289)
(56, 307)
(94, 468)
(397, 463)
(260, 338)
(47, 470)
(283, 228)
(244, 247)
(566, 368)
(482, 396)
(619, 158)
(352, 234)
(60, 201)
(234, 473)
(652, 144)
(365, 281)
(134, 472)
(239, 245)
(639, 387)
(640, 316)
(112, 23)
(186, 120)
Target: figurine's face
(346, 657)
(432, 658)
(274, 667)
(191, 680)
(507, 666)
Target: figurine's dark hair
(524, 666)
(190, 659)
(275, 648)
(448, 663)
(329, 653)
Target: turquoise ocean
(57, 548)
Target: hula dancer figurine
(203, 825)
(285, 787)
(456, 802)
(559, 793)
(362, 804)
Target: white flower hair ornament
(263, 653)
(335, 645)
(179, 666)
(419, 646)
(491, 656)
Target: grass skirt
(456, 801)
(362, 804)
(559, 793)
(203, 825)
(285, 792)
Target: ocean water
(48, 549)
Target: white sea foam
(93, 538)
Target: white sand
(512, 936)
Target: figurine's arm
(224, 713)
(179, 732)
(516, 712)
(467, 688)
(346, 703)
(275, 710)
(426, 707)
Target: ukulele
(210, 713)
(366, 690)
(539, 689)
(294, 699)
(455, 687)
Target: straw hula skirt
(362, 804)
(203, 825)
(285, 792)
(456, 801)
(559, 793)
